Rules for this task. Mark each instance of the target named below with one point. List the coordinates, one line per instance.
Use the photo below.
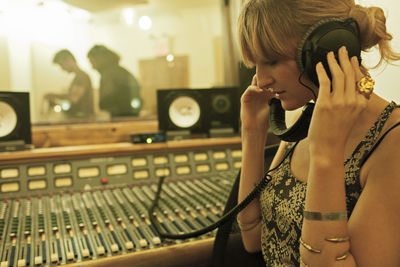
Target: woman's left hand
(336, 111)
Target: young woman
(334, 201)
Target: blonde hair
(270, 30)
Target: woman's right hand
(254, 112)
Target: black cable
(228, 215)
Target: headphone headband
(327, 35)
(300, 46)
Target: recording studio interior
(78, 177)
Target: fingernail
(319, 66)
(344, 49)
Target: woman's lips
(277, 93)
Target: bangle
(309, 247)
(313, 250)
(338, 239)
(343, 257)
(325, 216)
(340, 258)
(248, 226)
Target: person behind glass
(119, 89)
(320, 208)
(80, 93)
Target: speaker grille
(15, 123)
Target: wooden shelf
(70, 152)
(89, 133)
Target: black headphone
(325, 36)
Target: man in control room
(78, 101)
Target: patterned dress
(282, 201)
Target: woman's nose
(264, 79)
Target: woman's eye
(270, 63)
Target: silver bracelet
(325, 216)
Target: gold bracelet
(343, 257)
(340, 258)
(244, 227)
(325, 216)
(309, 247)
(338, 239)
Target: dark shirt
(119, 92)
(84, 106)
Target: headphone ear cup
(324, 37)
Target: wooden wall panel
(158, 73)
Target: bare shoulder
(376, 215)
(384, 165)
(389, 143)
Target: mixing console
(65, 211)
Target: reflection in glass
(77, 102)
(164, 44)
(119, 91)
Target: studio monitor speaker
(197, 110)
(224, 108)
(181, 109)
(15, 121)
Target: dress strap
(366, 156)
(378, 126)
(365, 146)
